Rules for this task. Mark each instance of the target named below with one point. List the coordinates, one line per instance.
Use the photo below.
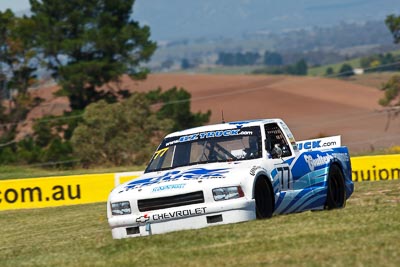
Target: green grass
(365, 233)
(355, 63)
(16, 172)
(321, 70)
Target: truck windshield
(207, 147)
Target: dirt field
(311, 106)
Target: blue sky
(15, 5)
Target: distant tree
(272, 59)
(175, 104)
(237, 59)
(392, 87)
(185, 64)
(365, 62)
(391, 99)
(392, 91)
(167, 64)
(18, 63)
(393, 23)
(388, 62)
(375, 64)
(226, 59)
(300, 68)
(380, 62)
(250, 58)
(87, 44)
(127, 132)
(346, 70)
(388, 58)
(122, 133)
(274, 70)
(329, 71)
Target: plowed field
(311, 106)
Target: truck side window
(276, 140)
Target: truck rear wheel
(263, 198)
(335, 196)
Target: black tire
(264, 199)
(336, 193)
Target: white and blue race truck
(228, 173)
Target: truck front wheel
(263, 198)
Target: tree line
(84, 46)
(249, 58)
(273, 62)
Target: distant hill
(182, 19)
(317, 45)
(323, 32)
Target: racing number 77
(286, 178)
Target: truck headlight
(120, 208)
(225, 193)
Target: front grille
(170, 202)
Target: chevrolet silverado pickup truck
(228, 173)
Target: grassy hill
(355, 63)
(320, 71)
(365, 233)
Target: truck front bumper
(182, 218)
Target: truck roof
(224, 126)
